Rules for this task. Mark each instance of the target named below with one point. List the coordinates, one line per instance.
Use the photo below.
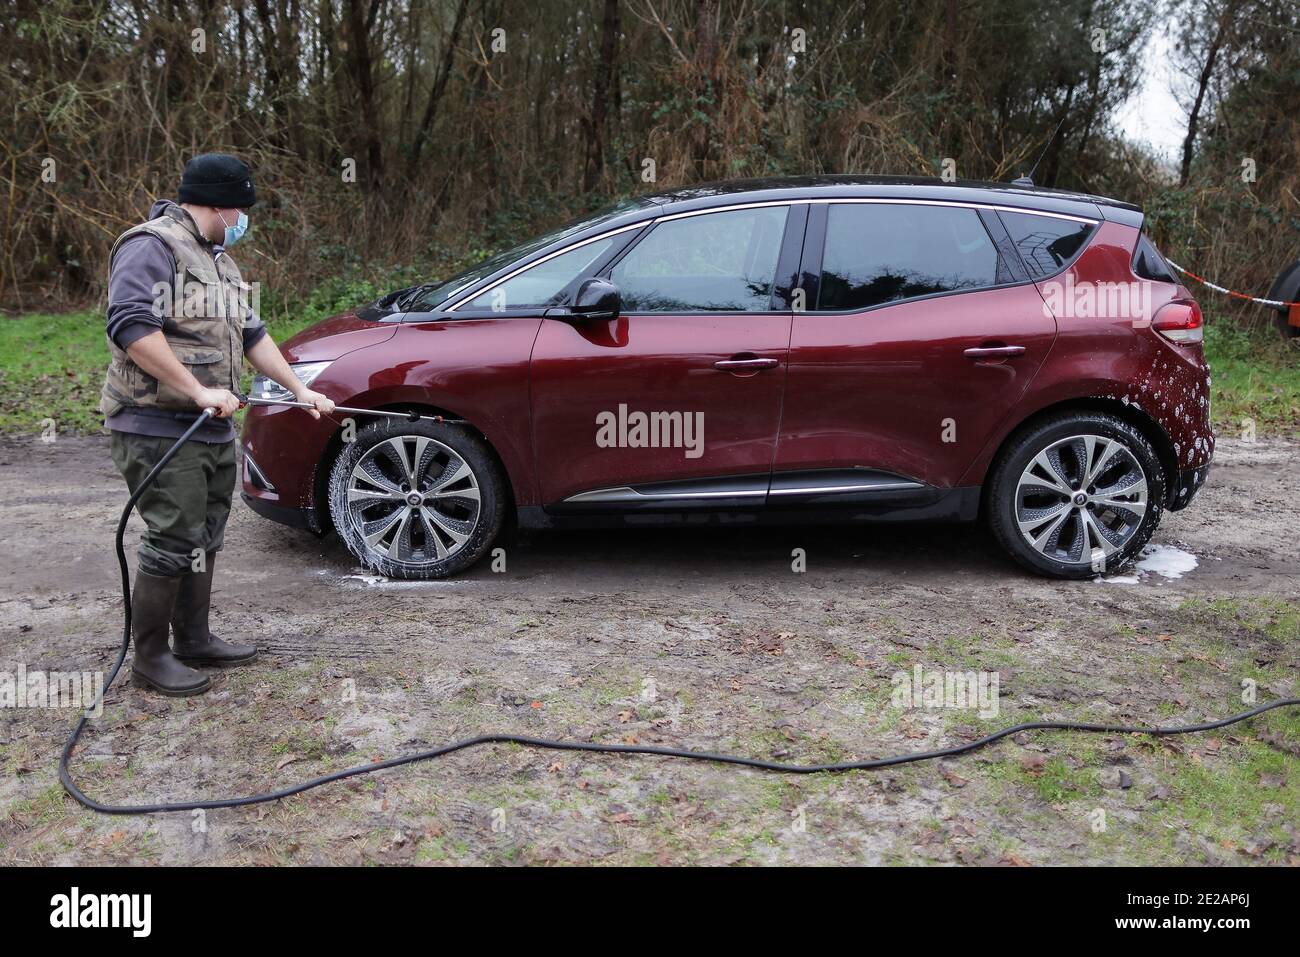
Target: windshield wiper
(403, 298)
(388, 298)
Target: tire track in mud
(316, 645)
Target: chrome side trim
(898, 201)
(879, 200)
(829, 489)
(625, 493)
(778, 485)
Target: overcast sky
(1152, 116)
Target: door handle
(744, 365)
(994, 352)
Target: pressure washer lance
(65, 776)
(406, 416)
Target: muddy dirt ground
(705, 639)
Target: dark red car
(815, 349)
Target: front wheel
(417, 499)
(1076, 495)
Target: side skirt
(924, 504)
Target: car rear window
(1046, 243)
(1149, 264)
(882, 252)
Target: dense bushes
(398, 139)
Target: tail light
(1180, 322)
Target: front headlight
(307, 372)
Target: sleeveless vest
(203, 310)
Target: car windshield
(430, 296)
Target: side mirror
(597, 299)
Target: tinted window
(541, 284)
(708, 263)
(1149, 264)
(877, 253)
(1045, 242)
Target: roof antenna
(1028, 178)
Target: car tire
(1048, 520)
(437, 525)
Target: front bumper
(263, 497)
(279, 452)
(1186, 485)
(303, 518)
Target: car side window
(1149, 264)
(1046, 243)
(714, 262)
(542, 284)
(877, 253)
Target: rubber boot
(193, 641)
(152, 602)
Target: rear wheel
(1076, 495)
(417, 499)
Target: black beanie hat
(217, 179)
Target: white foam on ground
(1167, 561)
(379, 581)
(369, 580)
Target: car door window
(880, 252)
(715, 262)
(1046, 243)
(541, 285)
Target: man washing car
(179, 327)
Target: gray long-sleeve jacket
(140, 264)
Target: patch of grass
(52, 368)
(1278, 618)
(1253, 377)
(1241, 800)
(1269, 619)
(302, 743)
(1054, 782)
(42, 808)
(431, 851)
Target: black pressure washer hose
(66, 778)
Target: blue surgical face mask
(236, 232)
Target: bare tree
(1199, 47)
(595, 124)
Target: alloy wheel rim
(1081, 499)
(413, 499)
